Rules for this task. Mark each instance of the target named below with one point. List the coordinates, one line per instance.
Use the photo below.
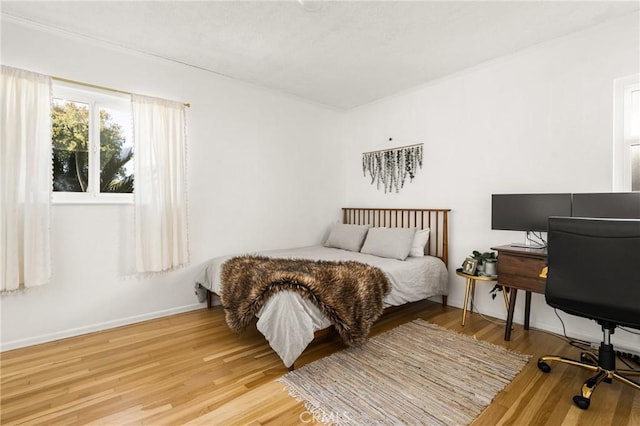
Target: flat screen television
(527, 212)
(612, 205)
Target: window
(92, 145)
(627, 134)
(632, 132)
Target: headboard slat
(437, 220)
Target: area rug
(417, 373)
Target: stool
(471, 287)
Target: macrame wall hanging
(389, 168)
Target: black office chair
(593, 273)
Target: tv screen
(613, 205)
(527, 212)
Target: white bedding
(289, 321)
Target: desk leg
(527, 309)
(512, 306)
(466, 300)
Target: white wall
(537, 121)
(264, 171)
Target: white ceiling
(345, 54)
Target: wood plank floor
(190, 369)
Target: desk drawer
(521, 272)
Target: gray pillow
(389, 242)
(347, 237)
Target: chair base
(590, 362)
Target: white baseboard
(498, 312)
(45, 338)
(618, 344)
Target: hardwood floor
(190, 369)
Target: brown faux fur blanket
(349, 293)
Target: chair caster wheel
(544, 367)
(581, 401)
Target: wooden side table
(471, 287)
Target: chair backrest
(594, 268)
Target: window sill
(84, 198)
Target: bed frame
(437, 220)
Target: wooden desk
(519, 269)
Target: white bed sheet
(289, 321)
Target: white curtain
(160, 184)
(25, 179)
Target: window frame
(622, 141)
(96, 99)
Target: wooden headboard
(437, 220)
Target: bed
(290, 322)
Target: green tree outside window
(70, 134)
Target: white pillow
(389, 242)
(347, 237)
(420, 241)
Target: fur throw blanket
(349, 293)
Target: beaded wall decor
(389, 168)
